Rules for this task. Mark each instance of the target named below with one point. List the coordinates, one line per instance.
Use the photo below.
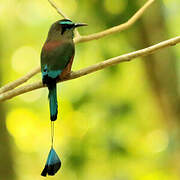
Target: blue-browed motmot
(57, 57)
(56, 60)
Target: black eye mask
(66, 26)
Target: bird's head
(63, 29)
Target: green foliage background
(110, 125)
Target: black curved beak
(80, 24)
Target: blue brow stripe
(66, 22)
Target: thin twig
(95, 67)
(118, 28)
(57, 9)
(79, 39)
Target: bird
(56, 61)
(57, 57)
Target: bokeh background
(121, 123)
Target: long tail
(53, 101)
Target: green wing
(54, 61)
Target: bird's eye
(66, 27)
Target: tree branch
(19, 81)
(79, 39)
(95, 67)
(118, 28)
